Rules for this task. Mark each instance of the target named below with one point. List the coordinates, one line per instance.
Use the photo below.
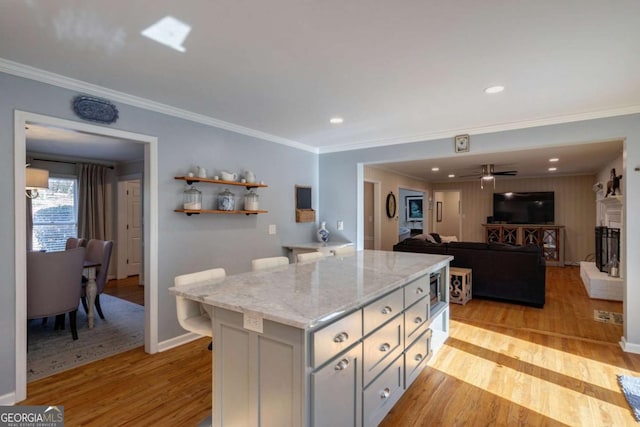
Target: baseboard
(178, 341)
(8, 399)
(629, 347)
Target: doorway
(412, 213)
(371, 214)
(150, 231)
(447, 209)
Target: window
(55, 215)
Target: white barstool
(192, 316)
(264, 263)
(310, 256)
(344, 251)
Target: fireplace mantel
(612, 202)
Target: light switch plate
(272, 229)
(340, 225)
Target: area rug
(607, 317)
(50, 351)
(631, 388)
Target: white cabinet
(393, 347)
(346, 371)
(336, 397)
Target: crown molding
(623, 111)
(32, 73)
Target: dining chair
(73, 243)
(192, 315)
(344, 251)
(54, 285)
(264, 263)
(310, 256)
(98, 251)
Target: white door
(134, 228)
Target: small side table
(459, 285)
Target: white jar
(192, 199)
(251, 201)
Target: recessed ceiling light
(494, 89)
(435, 169)
(553, 169)
(336, 120)
(169, 32)
(554, 159)
(451, 175)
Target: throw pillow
(429, 238)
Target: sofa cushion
(468, 245)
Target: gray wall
(185, 244)
(339, 190)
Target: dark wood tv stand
(548, 236)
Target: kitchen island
(332, 342)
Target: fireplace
(607, 247)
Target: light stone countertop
(317, 245)
(306, 295)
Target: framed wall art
(413, 208)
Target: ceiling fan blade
(506, 173)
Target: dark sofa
(500, 271)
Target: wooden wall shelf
(191, 179)
(190, 212)
(249, 185)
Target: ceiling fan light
(487, 177)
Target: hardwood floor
(127, 289)
(503, 364)
(506, 364)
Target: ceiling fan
(489, 173)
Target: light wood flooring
(127, 289)
(503, 365)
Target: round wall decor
(391, 205)
(95, 109)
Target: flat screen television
(524, 208)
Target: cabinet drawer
(416, 357)
(335, 337)
(380, 396)
(382, 347)
(380, 311)
(416, 290)
(415, 318)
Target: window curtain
(92, 201)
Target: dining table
(89, 270)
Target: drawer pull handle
(385, 393)
(385, 347)
(341, 337)
(418, 357)
(419, 291)
(418, 319)
(386, 309)
(342, 365)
